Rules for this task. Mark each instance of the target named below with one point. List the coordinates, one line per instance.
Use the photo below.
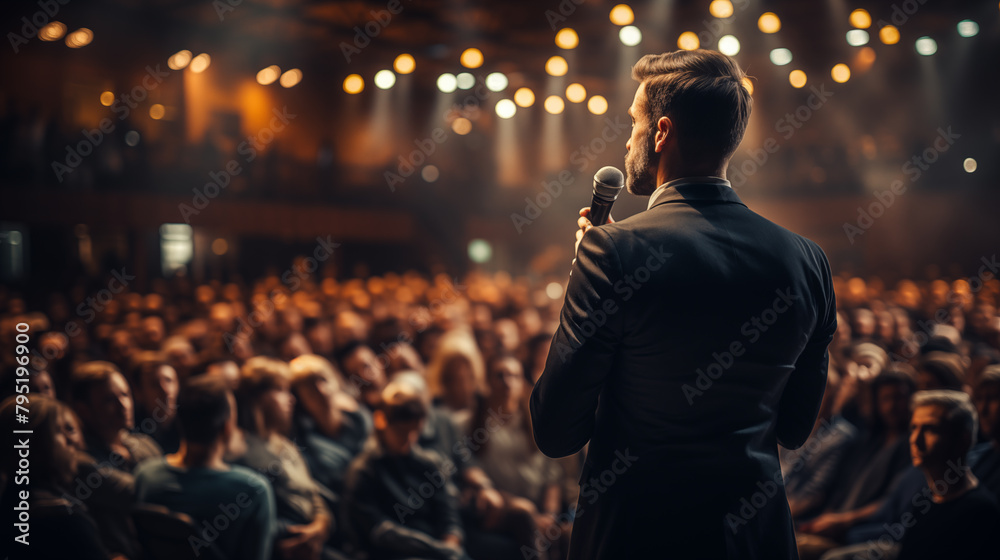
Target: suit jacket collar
(689, 190)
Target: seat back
(167, 535)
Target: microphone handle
(600, 210)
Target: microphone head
(608, 183)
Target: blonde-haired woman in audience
(457, 375)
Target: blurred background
(217, 140)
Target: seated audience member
(363, 373)
(987, 398)
(58, 527)
(330, 425)
(810, 471)
(102, 399)
(155, 386)
(266, 405)
(383, 516)
(941, 370)
(871, 470)
(456, 375)
(227, 369)
(960, 518)
(196, 481)
(41, 383)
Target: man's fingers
(585, 211)
(584, 224)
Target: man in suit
(692, 341)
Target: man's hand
(305, 541)
(585, 225)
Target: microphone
(608, 183)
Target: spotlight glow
(384, 79)
(622, 15)
(268, 75)
(729, 45)
(769, 22)
(506, 108)
(461, 126)
(53, 31)
(524, 97)
(797, 78)
(107, 98)
(556, 66)
(404, 64)
(857, 37)
(720, 8)
(430, 173)
(889, 35)
(970, 165)
(861, 19)
(156, 111)
(748, 85)
(597, 105)
(781, 57)
(447, 83)
(465, 80)
(554, 104)
(354, 84)
(567, 39)
(688, 41)
(926, 46)
(968, 28)
(630, 35)
(179, 60)
(79, 38)
(496, 82)
(200, 63)
(472, 58)
(576, 93)
(840, 73)
(290, 78)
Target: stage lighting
(524, 97)
(556, 66)
(970, 165)
(781, 57)
(461, 126)
(861, 19)
(857, 37)
(107, 98)
(926, 46)
(729, 45)
(430, 173)
(840, 73)
(385, 79)
(156, 111)
(79, 38)
(132, 138)
(597, 105)
(354, 84)
(200, 63)
(688, 41)
(465, 80)
(889, 35)
(290, 78)
(506, 108)
(53, 31)
(554, 290)
(968, 28)
(268, 75)
(496, 82)
(472, 58)
(220, 246)
(554, 104)
(179, 60)
(769, 22)
(404, 64)
(576, 93)
(567, 39)
(721, 8)
(630, 35)
(447, 83)
(622, 15)
(797, 78)
(480, 251)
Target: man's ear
(664, 131)
(378, 418)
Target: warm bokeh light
(769, 22)
(622, 15)
(576, 93)
(496, 82)
(840, 73)
(729, 45)
(156, 111)
(630, 35)
(430, 173)
(461, 126)
(291, 78)
(472, 58)
(748, 85)
(865, 59)
(720, 8)
(554, 104)
(179, 60)
(506, 108)
(268, 75)
(889, 35)
(53, 31)
(797, 78)
(524, 97)
(384, 79)
(200, 63)
(404, 64)
(107, 98)
(354, 84)
(567, 39)
(556, 66)
(447, 83)
(861, 19)
(688, 41)
(970, 165)
(781, 57)
(926, 46)
(597, 105)
(220, 246)
(857, 37)
(79, 38)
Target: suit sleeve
(564, 401)
(803, 393)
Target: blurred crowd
(387, 418)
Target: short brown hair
(703, 94)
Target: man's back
(687, 321)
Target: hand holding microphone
(608, 182)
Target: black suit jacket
(693, 339)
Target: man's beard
(640, 177)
